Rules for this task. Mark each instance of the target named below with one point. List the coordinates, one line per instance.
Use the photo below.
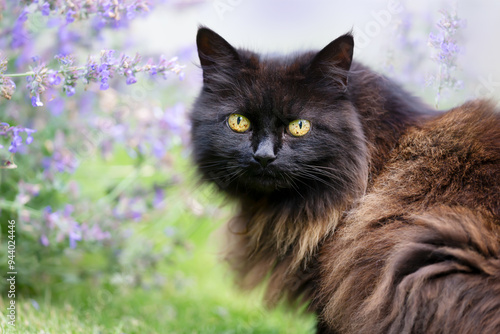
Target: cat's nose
(264, 160)
(265, 153)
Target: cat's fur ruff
(402, 237)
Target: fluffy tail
(437, 272)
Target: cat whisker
(332, 183)
(325, 175)
(290, 180)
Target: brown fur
(420, 253)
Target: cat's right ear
(334, 60)
(215, 53)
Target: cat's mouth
(267, 179)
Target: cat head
(279, 127)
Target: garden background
(112, 232)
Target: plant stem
(14, 75)
(15, 207)
(26, 74)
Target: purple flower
(94, 233)
(74, 234)
(56, 106)
(47, 211)
(64, 223)
(45, 9)
(65, 60)
(159, 149)
(53, 78)
(447, 51)
(19, 33)
(44, 240)
(159, 197)
(14, 133)
(35, 101)
(17, 141)
(131, 79)
(130, 208)
(98, 23)
(131, 11)
(70, 16)
(29, 132)
(62, 159)
(70, 90)
(41, 78)
(104, 75)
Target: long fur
(394, 229)
(420, 252)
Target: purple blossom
(447, 51)
(65, 60)
(53, 78)
(64, 224)
(19, 33)
(35, 101)
(98, 23)
(70, 90)
(159, 197)
(130, 78)
(26, 191)
(62, 160)
(14, 134)
(130, 208)
(17, 141)
(44, 240)
(104, 75)
(94, 233)
(46, 9)
(36, 83)
(131, 10)
(66, 40)
(29, 138)
(74, 234)
(41, 77)
(70, 16)
(56, 106)
(29, 188)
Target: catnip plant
(67, 97)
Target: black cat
(307, 145)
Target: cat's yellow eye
(238, 123)
(299, 127)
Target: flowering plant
(61, 114)
(446, 47)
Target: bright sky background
(281, 26)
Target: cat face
(276, 125)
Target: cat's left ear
(214, 52)
(334, 60)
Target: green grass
(204, 302)
(203, 308)
(198, 295)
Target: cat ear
(214, 51)
(334, 60)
